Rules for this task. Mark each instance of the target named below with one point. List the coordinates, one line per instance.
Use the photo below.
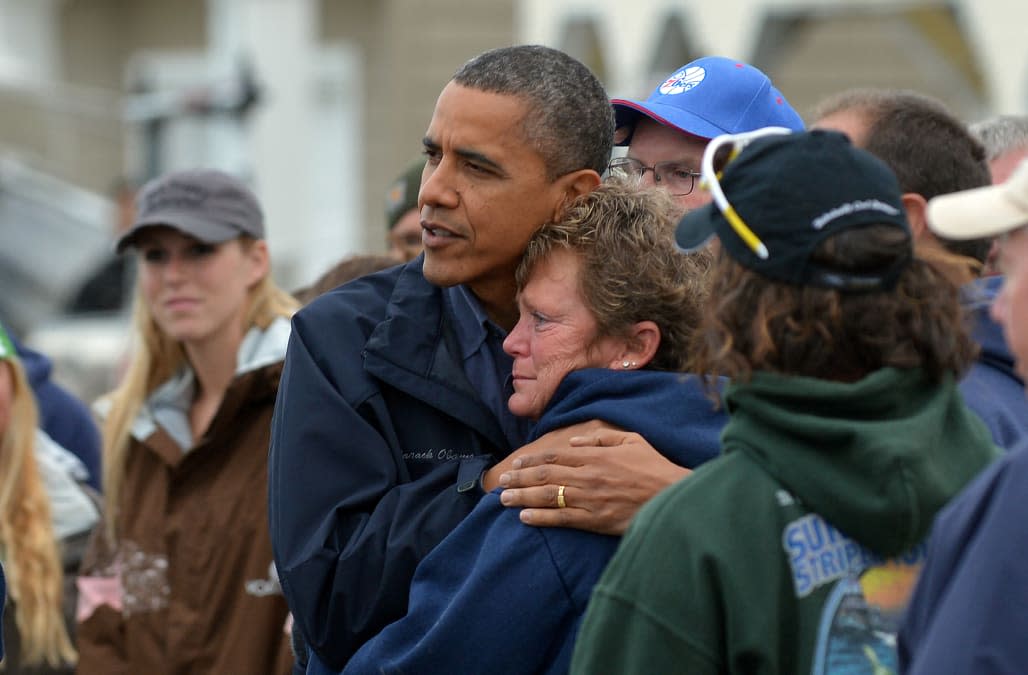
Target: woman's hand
(607, 474)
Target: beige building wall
(98, 37)
(411, 49)
(964, 52)
(71, 126)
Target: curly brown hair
(631, 270)
(754, 324)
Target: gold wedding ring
(560, 497)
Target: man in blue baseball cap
(667, 133)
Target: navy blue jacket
(991, 387)
(63, 417)
(498, 596)
(378, 443)
(969, 612)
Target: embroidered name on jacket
(433, 455)
(820, 554)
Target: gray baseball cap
(207, 204)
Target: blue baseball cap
(708, 97)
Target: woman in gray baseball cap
(180, 577)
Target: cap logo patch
(683, 80)
(853, 207)
(397, 193)
(174, 195)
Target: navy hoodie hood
(617, 397)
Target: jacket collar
(417, 328)
(168, 406)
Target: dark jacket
(378, 444)
(501, 597)
(63, 417)
(968, 612)
(992, 388)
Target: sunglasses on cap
(719, 153)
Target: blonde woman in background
(44, 511)
(180, 578)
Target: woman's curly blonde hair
(631, 269)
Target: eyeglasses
(714, 154)
(677, 177)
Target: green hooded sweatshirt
(796, 551)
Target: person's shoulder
(713, 491)
(1005, 479)
(370, 297)
(992, 501)
(1010, 466)
(356, 293)
(36, 364)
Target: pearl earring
(627, 364)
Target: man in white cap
(969, 613)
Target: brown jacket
(198, 589)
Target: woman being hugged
(180, 578)
(46, 515)
(607, 309)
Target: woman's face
(6, 394)
(555, 334)
(198, 292)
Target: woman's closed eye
(539, 320)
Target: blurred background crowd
(319, 105)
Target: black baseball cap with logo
(784, 194)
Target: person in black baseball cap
(785, 194)
(846, 433)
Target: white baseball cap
(982, 212)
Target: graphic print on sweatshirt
(867, 597)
